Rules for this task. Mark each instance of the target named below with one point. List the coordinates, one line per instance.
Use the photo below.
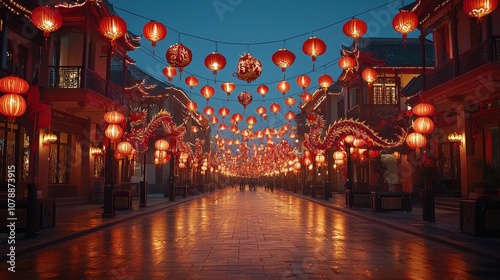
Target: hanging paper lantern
(233, 128)
(228, 87)
(113, 131)
(349, 139)
(396, 155)
(275, 108)
(306, 96)
(303, 81)
(13, 84)
(169, 72)
(283, 87)
(314, 47)
(214, 120)
(325, 81)
(207, 92)
(262, 90)
(46, 19)
(423, 125)
(290, 101)
(479, 8)
(223, 112)
(405, 22)
(154, 31)
(160, 154)
(222, 126)
(179, 56)
(261, 110)
(12, 106)
(319, 158)
(346, 62)
(192, 106)
(245, 98)
(124, 148)
(191, 81)
(373, 153)
(283, 58)
(237, 117)
(251, 120)
(194, 129)
(369, 75)
(114, 117)
(423, 109)
(289, 116)
(338, 155)
(208, 110)
(355, 28)
(112, 27)
(248, 68)
(416, 140)
(215, 62)
(161, 145)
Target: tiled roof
(413, 87)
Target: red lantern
(179, 56)
(290, 101)
(306, 96)
(112, 27)
(208, 110)
(13, 84)
(215, 62)
(237, 117)
(223, 112)
(369, 75)
(423, 125)
(194, 129)
(262, 90)
(325, 81)
(46, 19)
(228, 87)
(12, 106)
(207, 92)
(251, 120)
(222, 126)
(283, 58)
(261, 110)
(192, 106)
(114, 117)
(161, 145)
(275, 108)
(303, 81)
(169, 72)
(113, 131)
(124, 148)
(191, 81)
(314, 47)
(423, 109)
(214, 120)
(283, 87)
(346, 62)
(245, 98)
(405, 22)
(479, 8)
(248, 68)
(154, 31)
(290, 116)
(416, 140)
(373, 153)
(355, 28)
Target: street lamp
(348, 140)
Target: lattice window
(59, 159)
(385, 94)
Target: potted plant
(491, 175)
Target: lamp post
(348, 141)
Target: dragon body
(314, 140)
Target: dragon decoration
(315, 141)
(141, 131)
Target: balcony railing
(72, 77)
(373, 113)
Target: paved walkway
(295, 238)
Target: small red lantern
(13, 84)
(275, 108)
(114, 117)
(405, 22)
(214, 120)
(283, 58)
(208, 110)
(207, 92)
(112, 27)
(369, 75)
(223, 112)
(346, 62)
(192, 106)
(290, 101)
(154, 31)
(215, 62)
(12, 106)
(194, 129)
(314, 47)
(423, 125)
(237, 117)
(262, 90)
(355, 28)
(251, 120)
(423, 109)
(479, 8)
(283, 87)
(169, 72)
(245, 98)
(261, 110)
(290, 116)
(303, 81)
(306, 96)
(222, 126)
(46, 19)
(228, 87)
(191, 81)
(325, 81)
(179, 56)
(248, 68)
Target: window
(384, 94)
(60, 159)
(442, 36)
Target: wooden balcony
(373, 113)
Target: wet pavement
(233, 234)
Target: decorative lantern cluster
(422, 126)
(161, 156)
(114, 130)
(12, 104)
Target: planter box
(480, 217)
(391, 201)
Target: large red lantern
(245, 98)
(228, 87)
(161, 145)
(423, 109)
(346, 62)
(405, 22)
(169, 72)
(423, 125)
(215, 62)
(262, 90)
(207, 92)
(283, 87)
(314, 47)
(369, 75)
(191, 81)
(46, 19)
(12, 106)
(179, 56)
(275, 108)
(112, 27)
(114, 117)
(325, 81)
(290, 101)
(355, 28)
(154, 31)
(13, 84)
(283, 58)
(303, 81)
(479, 8)
(248, 68)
